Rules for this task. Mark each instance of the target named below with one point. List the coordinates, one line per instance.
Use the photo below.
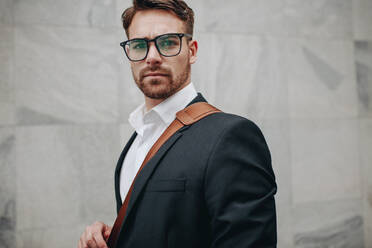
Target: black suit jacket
(210, 185)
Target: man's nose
(153, 56)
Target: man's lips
(155, 74)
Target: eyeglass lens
(167, 45)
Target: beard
(165, 86)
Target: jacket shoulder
(222, 120)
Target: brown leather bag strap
(187, 116)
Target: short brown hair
(178, 7)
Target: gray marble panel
(329, 224)
(203, 72)
(325, 160)
(276, 133)
(242, 75)
(130, 96)
(73, 168)
(365, 144)
(126, 131)
(66, 75)
(318, 18)
(239, 16)
(47, 179)
(49, 237)
(8, 188)
(121, 5)
(363, 66)
(6, 84)
(91, 13)
(6, 11)
(362, 19)
(99, 151)
(321, 78)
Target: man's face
(159, 77)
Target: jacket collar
(198, 98)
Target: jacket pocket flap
(173, 185)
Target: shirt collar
(166, 110)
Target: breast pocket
(171, 185)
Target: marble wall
(300, 69)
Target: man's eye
(141, 45)
(167, 43)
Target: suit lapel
(118, 168)
(146, 172)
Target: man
(211, 184)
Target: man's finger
(81, 244)
(101, 243)
(107, 232)
(92, 243)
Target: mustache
(157, 69)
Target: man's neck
(150, 102)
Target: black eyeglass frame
(180, 35)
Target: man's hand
(95, 236)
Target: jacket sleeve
(239, 189)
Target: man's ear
(193, 50)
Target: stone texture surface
(44, 237)
(325, 160)
(365, 134)
(319, 18)
(66, 75)
(242, 74)
(130, 96)
(72, 167)
(240, 16)
(321, 79)
(47, 179)
(329, 224)
(363, 65)
(348, 233)
(6, 12)
(99, 151)
(276, 133)
(362, 19)
(120, 6)
(88, 13)
(126, 131)
(8, 188)
(6, 83)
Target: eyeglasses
(168, 45)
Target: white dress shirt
(149, 126)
